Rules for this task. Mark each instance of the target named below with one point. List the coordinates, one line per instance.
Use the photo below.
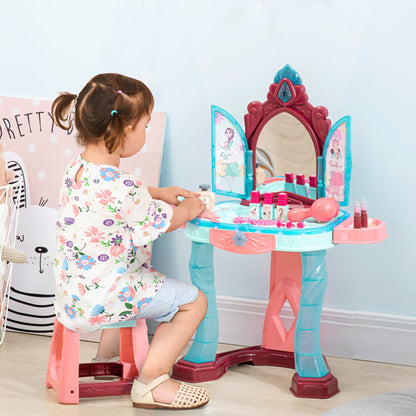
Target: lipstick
(357, 215)
(364, 217)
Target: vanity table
(283, 134)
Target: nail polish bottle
(267, 210)
(364, 217)
(301, 185)
(289, 185)
(357, 215)
(312, 187)
(282, 207)
(255, 206)
(207, 197)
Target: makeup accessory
(289, 185)
(300, 186)
(282, 207)
(267, 210)
(312, 187)
(364, 217)
(113, 112)
(267, 223)
(323, 210)
(255, 206)
(254, 221)
(207, 197)
(357, 215)
(119, 92)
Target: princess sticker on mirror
(229, 155)
(334, 175)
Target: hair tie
(119, 92)
(113, 112)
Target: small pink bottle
(255, 206)
(289, 183)
(364, 217)
(267, 210)
(357, 215)
(282, 207)
(312, 187)
(300, 186)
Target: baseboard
(344, 333)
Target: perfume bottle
(207, 197)
(255, 206)
(267, 210)
(282, 207)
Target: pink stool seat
(64, 369)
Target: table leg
(202, 363)
(204, 347)
(312, 378)
(285, 285)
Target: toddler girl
(106, 220)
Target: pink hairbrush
(323, 210)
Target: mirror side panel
(230, 162)
(336, 164)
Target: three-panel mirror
(288, 145)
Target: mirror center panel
(284, 145)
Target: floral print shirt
(106, 222)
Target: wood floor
(243, 390)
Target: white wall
(355, 57)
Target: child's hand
(194, 206)
(171, 193)
(185, 210)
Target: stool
(64, 369)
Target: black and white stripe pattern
(30, 312)
(19, 196)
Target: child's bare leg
(109, 345)
(168, 341)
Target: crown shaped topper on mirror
(284, 92)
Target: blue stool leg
(201, 267)
(309, 361)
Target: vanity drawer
(242, 242)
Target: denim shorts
(172, 294)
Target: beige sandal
(187, 397)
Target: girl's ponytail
(61, 109)
(114, 133)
